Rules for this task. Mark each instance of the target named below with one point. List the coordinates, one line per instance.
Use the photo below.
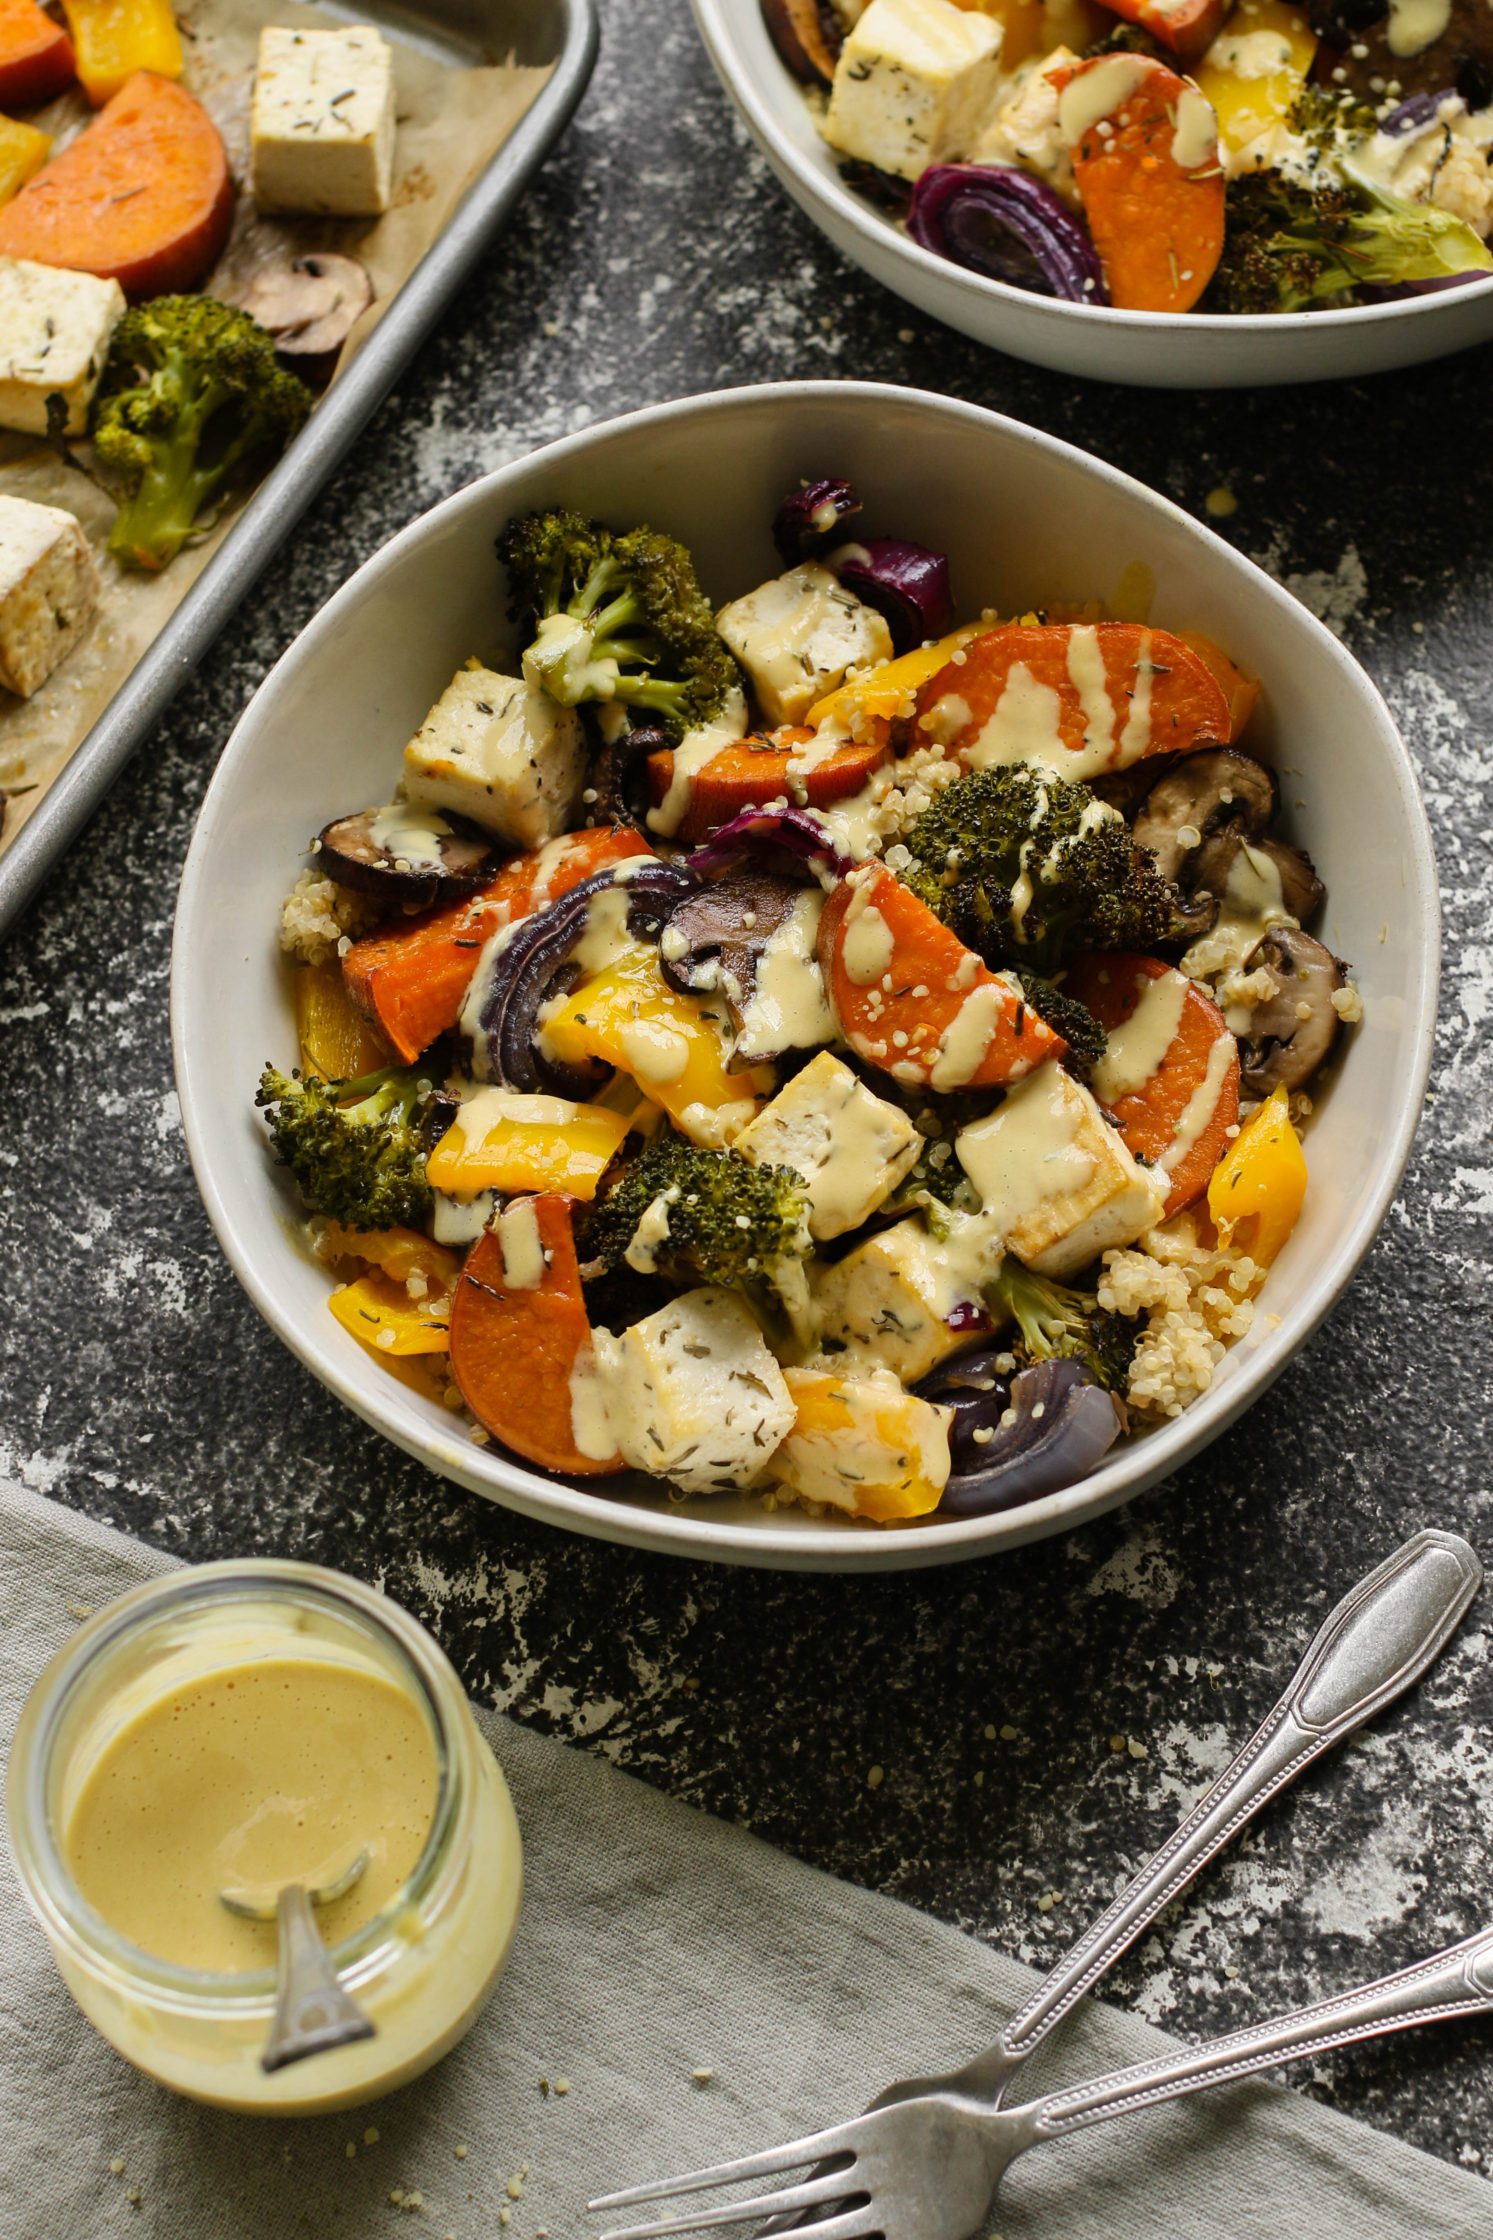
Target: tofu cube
(693, 1394)
(49, 590)
(888, 1304)
(55, 330)
(851, 1147)
(914, 85)
(796, 636)
(1057, 1182)
(863, 1445)
(500, 752)
(321, 128)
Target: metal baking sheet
(560, 33)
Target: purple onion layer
(812, 518)
(796, 831)
(907, 585)
(1008, 225)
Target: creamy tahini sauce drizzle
(1136, 736)
(1138, 1045)
(1252, 903)
(590, 1414)
(411, 836)
(1024, 727)
(1026, 723)
(1089, 678)
(654, 1053)
(519, 1241)
(1415, 25)
(966, 1039)
(485, 1110)
(1198, 1110)
(1028, 1150)
(1097, 93)
(1195, 134)
(788, 1009)
(693, 752)
(867, 947)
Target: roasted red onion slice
(1063, 1424)
(1008, 225)
(1421, 110)
(534, 963)
(812, 518)
(906, 583)
(797, 831)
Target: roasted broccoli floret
(1029, 870)
(1057, 1322)
(699, 1216)
(191, 398)
(356, 1148)
(1292, 248)
(615, 617)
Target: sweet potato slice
(411, 980)
(519, 1331)
(36, 56)
(768, 766)
(143, 196)
(910, 998)
(1173, 1095)
(1078, 698)
(1145, 158)
(1187, 27)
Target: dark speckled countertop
(655, 258)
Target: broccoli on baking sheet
(355, 1148)
(615, 618)
(1054, 1321)
(192, 398)
(699, 1216)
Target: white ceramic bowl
(1025, 519)
(1156, 352)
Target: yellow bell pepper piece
(1020, 20)
(23, 151)
(112, 39)
(887, 692)
(1247, 105)
(336, 1040)
(538, 1143)
(863, 1445)
(670, 1044)
(1258, 1185)
(396, 1253)
(381, 1314)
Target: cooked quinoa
(318, 915)
(1196, 1298)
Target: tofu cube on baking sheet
(797, 634)
(914, 85)
(321, 127)
(887, 1304)
(55, 329)
(851, 1147)
(863, 1445)
(693, 1393)
(49, 590)
(501, 752)
(1056, 1180)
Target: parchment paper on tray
(451, 121)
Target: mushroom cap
(1293, 1032)
(1215, 791)
(311, 304)
(724, 928)
(807, 37)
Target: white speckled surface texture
(1037, 1720)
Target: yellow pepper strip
(381, 1314)
(112, 39)
(865, 1446)
(1246, 100)
(1021, 24)
(887, 692)
(669, 1043)
(396, 1253)
(538, 1143)
(1258, 1185)
(336, 1040)
(23, 151)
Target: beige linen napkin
(698, 1993)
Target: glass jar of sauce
(256, 1720)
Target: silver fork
(930, 2169)
(1379, 1640)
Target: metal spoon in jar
(312, 2011)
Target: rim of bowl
(715, 22)
(840, 1547)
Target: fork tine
(813, 2193)
(851, 2224)
(818, 2147)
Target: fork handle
(1378, 1641)
(1458, 1981)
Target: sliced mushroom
(402, 855)
(1301, 891)
(807, 36)
(619, 776)
(715, 936)
(1291, 1034)
(1202, 798)
(311, 305)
